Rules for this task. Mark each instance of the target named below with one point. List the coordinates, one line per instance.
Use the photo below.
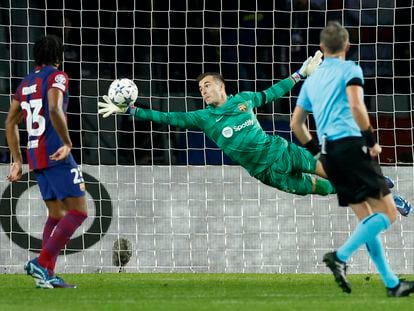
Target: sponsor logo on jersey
(60, 81)
(243, 125)
(228, 131)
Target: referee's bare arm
(298, 125)
(360, 114)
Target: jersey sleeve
(277, 90)
(270, 94)
(191, 119)
(353, 72)
(58, 79)
(303, 99)
(256, 98)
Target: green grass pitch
(198, 292)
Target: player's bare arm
(12, 133)
(298, 125)
(301, 131)
(360, 114)
(58, 119)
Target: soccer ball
(123, 91)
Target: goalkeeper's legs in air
(322, 186)
(65, 199)
(296, 183)
(403, 206)
(295, 173)
(292, 173)
(302, 160)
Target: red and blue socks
(47, 232)
(61, 234)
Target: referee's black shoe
(338, 269)
(403, 289)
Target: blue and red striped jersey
(43, 140)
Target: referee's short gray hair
(334, 37)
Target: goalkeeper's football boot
(403, 289)
(58, 282)
(338, 269)
(389, 182)
(39, 273)
(403, 206)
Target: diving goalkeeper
(230, 121)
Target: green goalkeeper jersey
(233, 126)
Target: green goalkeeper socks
(324, 187)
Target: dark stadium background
(164, 45)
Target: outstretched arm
(281, 88)
(179, 119)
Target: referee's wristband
(312, 146)
(368, 134)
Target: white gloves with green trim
(308, 67)
(108, 107)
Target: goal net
(171, 192)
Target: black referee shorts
(352, 171)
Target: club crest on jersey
(242, 107)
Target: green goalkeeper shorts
(292, 172)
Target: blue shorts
(60, 182)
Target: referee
(334, 94)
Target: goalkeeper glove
(108, 107)
(308, 67)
